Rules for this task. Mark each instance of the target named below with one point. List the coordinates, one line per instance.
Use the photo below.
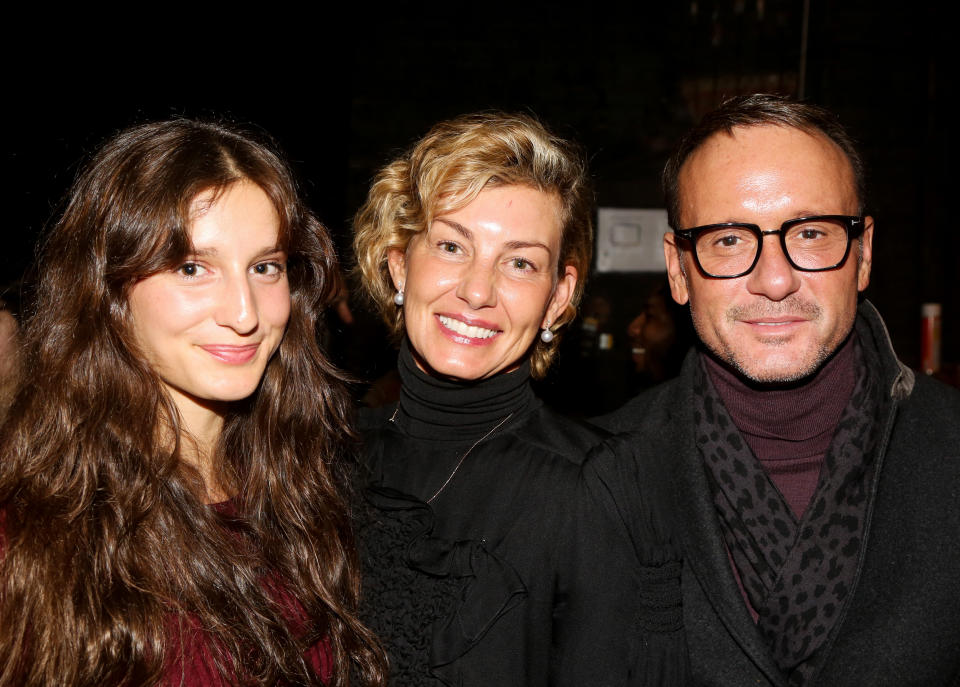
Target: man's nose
(773, 276)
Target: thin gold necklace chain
(464, 456)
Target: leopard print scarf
(796, 574)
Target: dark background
(342, 96)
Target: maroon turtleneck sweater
(790, 430)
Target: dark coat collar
(697, 527)
(872, 330)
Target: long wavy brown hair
(109, 554)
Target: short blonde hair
(445, 171)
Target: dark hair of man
(759, 110)
(109, 544)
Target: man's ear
(865, 261)
(675, 273)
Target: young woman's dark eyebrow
(213, 252)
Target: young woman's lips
(472, 332)
(232, 355)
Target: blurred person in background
(9, 346)
(660, 337)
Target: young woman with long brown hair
(171, 467)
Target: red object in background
(930, 338)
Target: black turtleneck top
(443, 419)
(484, 562)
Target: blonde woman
(484, 563)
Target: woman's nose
(478, 286)
(237, 306)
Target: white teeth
(465, 329)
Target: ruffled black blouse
(486, 558)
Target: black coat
(901, 623)
(510, 577)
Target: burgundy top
(790, 429)
(194, 666)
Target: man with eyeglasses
(810, 480)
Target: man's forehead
(731, 162)
(763, 142)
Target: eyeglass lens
(817, 244)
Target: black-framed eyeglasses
(811, 244)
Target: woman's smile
(232, 355)
(467, 331)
